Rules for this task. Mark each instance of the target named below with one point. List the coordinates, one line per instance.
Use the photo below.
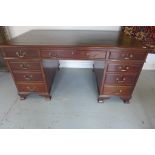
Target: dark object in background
(142, 33)
(3, 38)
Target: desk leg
(101, 99)
(126, 100)
(58, 66)
(93, 68)
(47, 97)
(23, 96)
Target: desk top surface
(74, 38)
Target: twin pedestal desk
(118, 60)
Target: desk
(118, 60)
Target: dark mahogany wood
(28, 76)
(33, 60)
(74, 54)
(98, 69)
(25, 65)
(120, 79)
(21, 52)
(31, 87)
(127, 55)
(124, 67)
(117, 90)
(63, 38)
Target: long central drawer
(72, 54)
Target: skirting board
(76, 64)
(89, 64)
(148, 66)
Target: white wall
(17, 30)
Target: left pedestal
(31, 74)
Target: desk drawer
(72, 54)
(57, 53)
(118, 90)
(31, 87)
(35, 77)
(127, 55)
(92, 52)
(24, 65)
(22, 53)
(91, 55)
(119, 79)
(125, 68)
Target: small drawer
(31, 87)
(91, 55)
(57, 53)
(125, 68)
(28, 77)
(119, 79)
(24, 65)
(22, 53)
(118, 90)
(127, 55)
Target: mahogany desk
(118, 60)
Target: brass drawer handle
(31, 89)
(130, 56)
(120, 91)
(25, 66)
(124, 69)
(21, 54)
(28, 77)
(126, 58)
(120, 81)
(53, 55)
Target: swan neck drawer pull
(28, 77)
(130, 56)
(119, 92)
(120, 81)
(21, 54)
(25, 66)
(53, 55)
(31, 88)
(124, 69)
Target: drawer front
(21, 53)
(125, 68)
(31, 87)
(28, 77)
(118, 90)
(91, 54)
(72, 54)
(57, 53)
(127, 55)
(118, 79)
(24, 65)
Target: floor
(74, 104)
